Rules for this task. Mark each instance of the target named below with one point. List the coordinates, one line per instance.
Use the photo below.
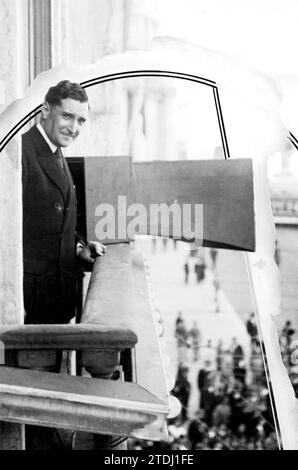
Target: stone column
(12, 70)
(41, 35)
(13, 81)
(14, 50)
(59, 31)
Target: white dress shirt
(43, 133)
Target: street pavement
(214, 313)
(234, 282)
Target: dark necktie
(59, 156)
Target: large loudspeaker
(223, 190)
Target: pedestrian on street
(277, 256)
(203, 374)
(219, 355)
(195, 339)
(179, 319)
(182, 389)
(216, 286)
(287, 332)
(186, 272)
(286, 337)
(200, 267)
(252, 330)
(181, 335)
(197, 430)
(239, 369)
(213, 255)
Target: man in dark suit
(52, 249)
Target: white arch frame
(262, 269)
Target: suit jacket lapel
(49, 164)
(71, 196)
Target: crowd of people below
(232, 412)
(288, 347)
(234, 409)
(289, 350)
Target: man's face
(63, 123)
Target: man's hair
(65, 89)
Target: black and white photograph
(149, 227)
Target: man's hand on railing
(87, 252)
